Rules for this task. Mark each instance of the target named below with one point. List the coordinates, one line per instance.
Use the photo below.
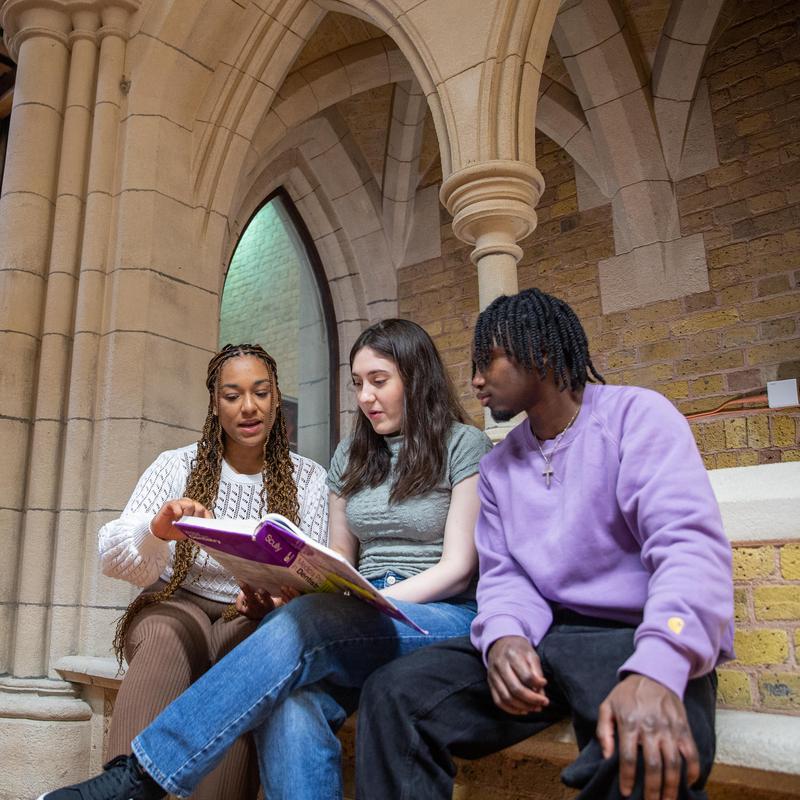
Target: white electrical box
(781, 394)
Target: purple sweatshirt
(629, 530)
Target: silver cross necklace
(548, 457)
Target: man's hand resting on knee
(515, 676)
(649, 715)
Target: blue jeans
(317, 637)
(310, 756)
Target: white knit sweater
(129, 551)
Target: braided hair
(278, 489)
(536, 330)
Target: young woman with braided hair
(184, 621)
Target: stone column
(70, 544)
(492, 204)
(42, 721)
(30, 652)
(37, 39)
(63, 139)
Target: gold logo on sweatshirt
(675, 624)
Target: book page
(273, 553)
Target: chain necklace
(548, 457)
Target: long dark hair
(531, 325)
(278, 491)
(430, 407)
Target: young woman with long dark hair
(403, 505)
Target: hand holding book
(273, 555)
(254, 603)
(162, 525)
(257, 603)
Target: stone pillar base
(46, 736)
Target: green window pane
(271, 297)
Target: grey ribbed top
(406, 537)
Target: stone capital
(85, 23)
(493, 205)
(56, 19)
(114, 15)
(25, 19)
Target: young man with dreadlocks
(182, 623)
(605, 591)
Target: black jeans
(419, 711)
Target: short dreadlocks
(536, 329)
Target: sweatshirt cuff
(654, 658)
(494, 628)
(145, 543)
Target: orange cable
(745, 402)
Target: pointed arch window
(276, 295)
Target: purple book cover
(269, 543)
(275, 543)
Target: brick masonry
(766, 674)
(698, 350)
(745, 438)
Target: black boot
(122, 779)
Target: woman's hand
(288, 593)
(254, 603)
(161, 525)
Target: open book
(273, 552)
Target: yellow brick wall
(766, 673)
(442, 295)
(701, 349)
(749, 437)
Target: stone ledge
(746, 740)
(759, 741)
(749, 739)
(759, 503)
(91, 671)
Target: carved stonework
(493, 205)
